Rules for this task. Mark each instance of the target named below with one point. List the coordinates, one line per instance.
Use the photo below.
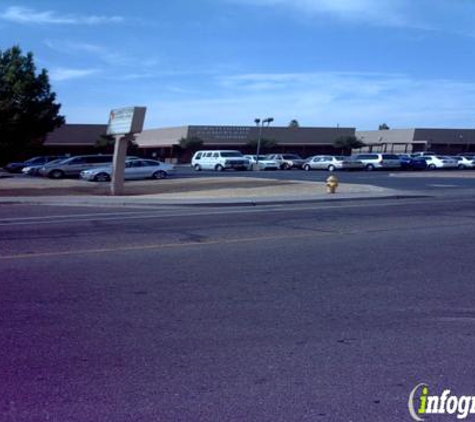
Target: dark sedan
(412, 163)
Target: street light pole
(260, 123)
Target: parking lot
(185, 179)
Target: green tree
(106, 143)
(294, 123)
(194, 143)
(266, 144)
(348, 142)
(28, 108)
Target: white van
(219, 160)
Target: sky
(347, 63)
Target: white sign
(127, 120)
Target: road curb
(231, 203)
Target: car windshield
(231, 154)
(341, 158)
(35, 160)
(57, 161)
(65, 161)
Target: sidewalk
(177, 192)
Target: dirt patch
(46, 187)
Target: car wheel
(306, 167)
(197, 167)
(159, 174)
(56, 174)
(219, 167)
(285, 166)
(461, 166)
(102, 177)
(331, 167)
(432, 166)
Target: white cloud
(24, 15)
(361, 100)
(100, 53)
(395, 13)
(64, 74)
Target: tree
(28, 110)
(383, 126)
(348, 142)
(106, 143)
(266, 144)
(194, 143)
(294, 123)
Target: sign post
(123, 124)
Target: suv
(287, 161)
(74, 165)
(219, 160)
(373, 161)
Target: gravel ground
(172, 188)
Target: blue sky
(357, 63)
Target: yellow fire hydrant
(332, 184)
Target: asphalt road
(312, 312)
(429, 180)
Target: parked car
(373, 161)
(74, 165)
(264, 162)
(464, 162)
(134, 169)
(412, 163)
(34, 170)
(423, 154)
(287, 161)
(440, 162)
(332, 163)
(219, 160)
(35, 161)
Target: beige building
(164, 143)
(306, 141)
(443, 141)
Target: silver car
(373, 161)
(74, 165)
(34, 170)
(264, 162)
(332, 163)
(134, 169)
(287, 161)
